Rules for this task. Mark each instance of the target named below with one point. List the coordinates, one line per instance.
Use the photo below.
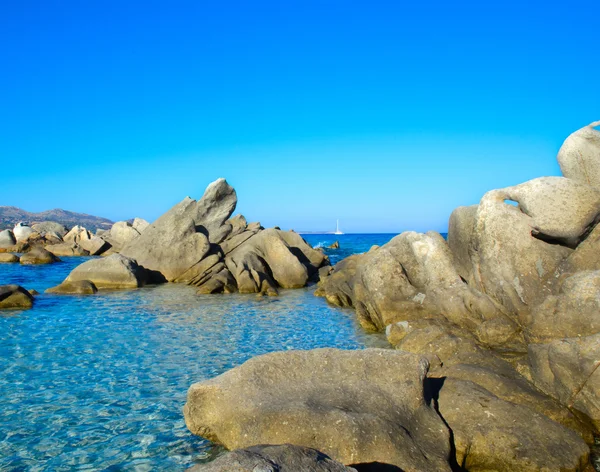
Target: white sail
(337, 228)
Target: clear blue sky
(386, 115)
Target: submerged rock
(79, 287)
(112, 272)
(579, 156)
(357, 407)
(15, 296)
(273, 458)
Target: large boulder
(22, 232)
(67, 249)
(50, 227)
(139, 224)
(358, 407)
(283, 256)
(15, 296)
(273, 458)
(491, 434)
(7, 239)
(112, 272)
(78, 287)
(8, 257)
(182, 237)
(579, 156)
(38, 255)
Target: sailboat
(337, 228)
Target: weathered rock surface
(112, 272)
(67, 249)
(568, 370)
(8, 257)
(15, 296)
(182, 237)
(278, 458)
(356, 406)
(579, 156)
(7, 239)
(413, 277)
(79, 287)
(491, 434)
(81, 237)
(38, 255)
(573, 312)
(50, 227)
(460, 234)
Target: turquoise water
(98, 382)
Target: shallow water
(98, 382)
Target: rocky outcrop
(579, 156)
(358, 407)
(38, 255)
(199, 243)
(78, 287)
(112, 272)
(507, 313)
(278, 458)
(7, 239)
(413, 277)
(15, 296)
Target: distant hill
(10, 216)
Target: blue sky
(386, 115)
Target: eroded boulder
(356, 406)
(38, 255)
(182, 237)
(50, 227)
(22, 232)
(112, 272)
(8, 257)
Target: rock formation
(507, 311)
(112, 272)
(38, 255)
(199, 243)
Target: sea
(99, 382)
